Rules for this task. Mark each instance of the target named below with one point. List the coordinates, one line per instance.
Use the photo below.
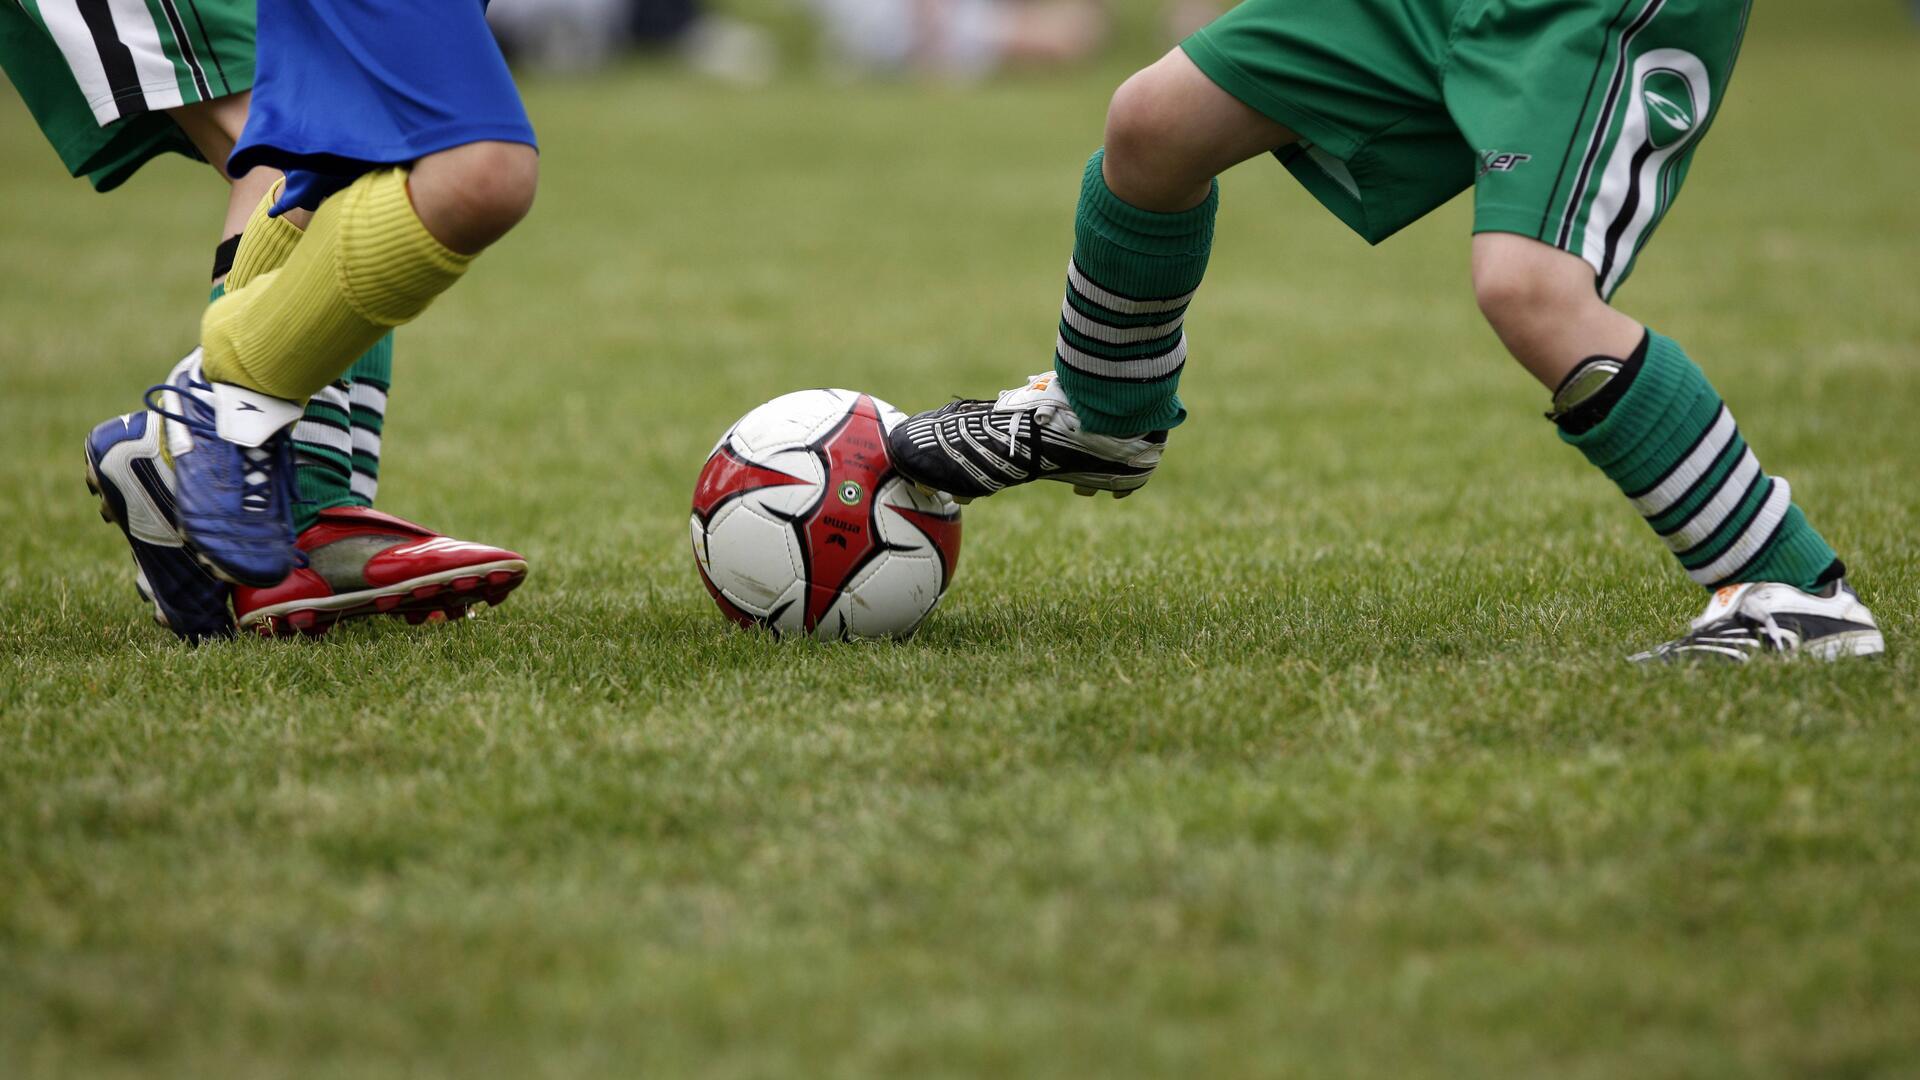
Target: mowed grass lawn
(1318, 759)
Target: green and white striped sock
(1672, 446)
(372, 377)
(336, 444)
(1122, 340)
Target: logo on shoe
(445, 544)
(1669, 99)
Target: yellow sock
(365, 266)
(266, 243)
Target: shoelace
(256, 489)
(1732, 629)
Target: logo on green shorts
(1670, 108)
(1492, 161)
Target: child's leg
(1142, 235)
(1645, 415)
(373, 258)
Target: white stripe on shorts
(70, 32)
(159, 79)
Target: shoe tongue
(1725, 601)
(248, 417)
(1041, 389)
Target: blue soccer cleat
(233, 468)
(128, 473)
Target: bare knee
(1140, 120)
(1170, 130)
(1542, 303)
(1154, 150)
(1514, 293)
(470, 196)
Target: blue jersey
(346, 86)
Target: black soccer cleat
(969, 449)
(1744, 621)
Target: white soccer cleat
(1743, 621)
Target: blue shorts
(343, 87)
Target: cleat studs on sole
(963, 500)
(1082, 489)
(384, 604)
(1121, 494)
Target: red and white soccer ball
(801, 524)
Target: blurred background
(751, 41)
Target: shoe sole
(442, 597)
(1854, 643)
(1084, 484)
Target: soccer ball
(801, 524)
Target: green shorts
(99, 80)
(1574, 120)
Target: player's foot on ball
(233, 472)
(1744, 621)
(361, 562)
(133, 481)
(969, 449)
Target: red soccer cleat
(362, 562)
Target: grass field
(1316, 759)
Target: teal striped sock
(336, 444)
(1672, 446)
(1122, 340)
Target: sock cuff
(1106, 407)
(1668, 406)
(266, 243)
(390, 266)
(1148, 232)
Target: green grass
(1317, 759)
